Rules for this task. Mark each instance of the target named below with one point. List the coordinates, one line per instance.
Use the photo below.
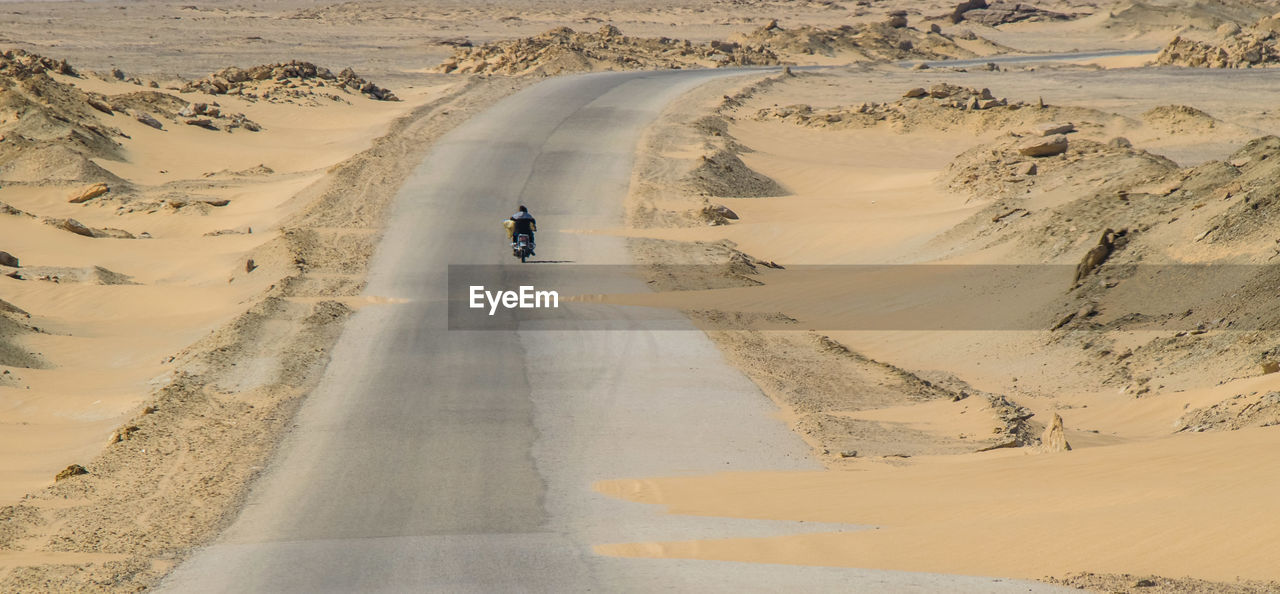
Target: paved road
(438, 460)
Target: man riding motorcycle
(523, 222)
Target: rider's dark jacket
(525, 223)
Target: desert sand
(155, 337)
(820, 170)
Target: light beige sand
(1184, 505)
(1131, 497)
(108, 345)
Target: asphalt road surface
(437, 460)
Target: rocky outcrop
(287, 79)
(1000, 13)
(562, 50)
(1054, 438)
(211, 117)
(1234, 47)
(21, 64)
(722, 173)
(1096, 255)
(1238, 412)
(957, 14)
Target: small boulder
(942, 90)
(10, 260)
(1044, 146)
(205, 123)
(898, 19)
(1026, 169)
(915, 93)
(193, 109)
(1052, 128)
(77, 227)
(1226, 30)
(88, 193)
(99, 105)
(723, 211)
(149, 120)
(1054, 438)
(70, 471)
(1096, 256)
(1268, 367)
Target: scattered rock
(1052, 128)
(915, 92)
(1232, 414)
(289, 79)
(123, 434)
(957, 14)
(70, 471)
(205, 123)
(562, 50)
(1252, 46)
(88, 193)
(99, 105)
(1267, 366)
(1063, 321)
(7, 259)
(723, 211)
(1044, 146)
(249, 266)
(1095, 256)
(149, 120)
(76, 227)
(1000, 13)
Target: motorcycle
(522, 247)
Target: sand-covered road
(433, 460)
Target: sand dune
(876, 180)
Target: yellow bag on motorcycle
(510, 226)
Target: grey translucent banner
(742, 296)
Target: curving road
(432, 460)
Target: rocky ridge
(287, 80)
(1234, 47)
(562, 50)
